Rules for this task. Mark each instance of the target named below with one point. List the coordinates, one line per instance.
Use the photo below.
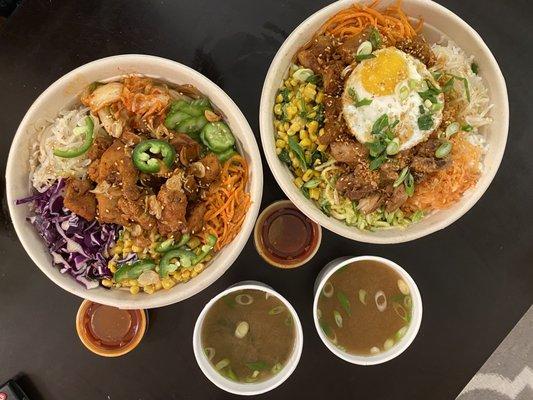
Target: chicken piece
(397, 199)
(195, 219)
(99, 146)
(108, 210)
(418, 48)
(316, 53)
(79, 199)
(187, 148)
(335, 125)
(331, 76)
(135, 212)
(173, 210)
(348, 151)
(425, 162)
(116, 167)
(212, 169)
(371, 203)
(358, 184)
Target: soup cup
(247, 389)
(395, 350)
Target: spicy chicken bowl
(384, 121)
(134, 181)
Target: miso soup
(248, 335)
(365, 308)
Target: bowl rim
(227, 105)
(413, 327)
(310, 209)
(241, 388)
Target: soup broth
(365, 308)
(248, 335)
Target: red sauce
(110, 328)
(285, 236)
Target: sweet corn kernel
(136, 249)
(280, 143)
(199, 267)
(294, 82)
(278, 151)
(314, 193)
(107, 283)
(298, 182)
(321, 132)
(167, 283)
(286, 126)
(319, 97)
(112, 268)
(295, 163)
(117, 250)
(291, 111)
(133, 282)
(305, 142)
(307, 175)
(312, 127)
(149, 289)
(134, 289)
(279, 98)
(282, 135)
(277, 109)
(127, 243)
(295, 126)
(303, 134)
(322, 147)
(313, 137)
(186, 274)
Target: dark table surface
(476, 276)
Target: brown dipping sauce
(110, 331)
(284, 236)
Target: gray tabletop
(476, 276)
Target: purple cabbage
(78, 247)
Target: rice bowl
(60, 95)
(481, 134)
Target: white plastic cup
(247, 389)
(399, 347)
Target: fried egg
(396, 84)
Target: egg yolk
(381, 74)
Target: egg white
(407, 111)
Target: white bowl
(438, 21)
(395, 350)
(247, 389)
(61, 94)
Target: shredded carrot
(391, 22)
(228, 202)
(448, 185)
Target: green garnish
(285, 94)
(361, 57)
(431, 93)
(296, 148)
(314, 79)
(358, 102)
(425, 121)
(305, 192)
(257, 366)
(377, 162)
(465, 83)
(467, 127)
(475, 68)
(444, 149)
(384, 136)
(345, 303)
(284, 157)
(409, 183)
(375, 38)
(401, 177)
(325, 207)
